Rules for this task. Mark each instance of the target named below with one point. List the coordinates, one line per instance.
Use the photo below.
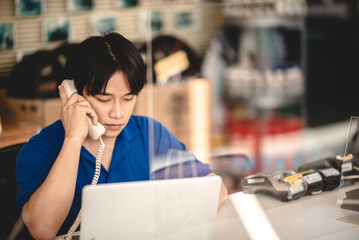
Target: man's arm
(48, 207)
(50, 204)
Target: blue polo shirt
(130, 160)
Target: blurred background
(248, 86)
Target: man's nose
(117, 110)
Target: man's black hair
(99, 57)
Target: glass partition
(348, 196)
(225, 79)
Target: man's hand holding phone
(77, 114)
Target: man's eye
(103, 100)
(128, 99)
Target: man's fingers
(63, 95)
(92, 114)
(74, 98)
(77, 100)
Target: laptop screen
(156, 209)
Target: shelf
(267, 21)
(266, 103)
(335, 10)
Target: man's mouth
(114, 126)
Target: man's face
(114, 107)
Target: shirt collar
(129, 132)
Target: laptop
(183, 208)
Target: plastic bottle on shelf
(282, 143)
(242, 137)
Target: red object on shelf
(272, 142)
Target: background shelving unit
(262, 87)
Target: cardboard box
(184, 109)
(41, 112)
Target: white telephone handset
(93, 131)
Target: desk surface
(15, 133)
(309, 217)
